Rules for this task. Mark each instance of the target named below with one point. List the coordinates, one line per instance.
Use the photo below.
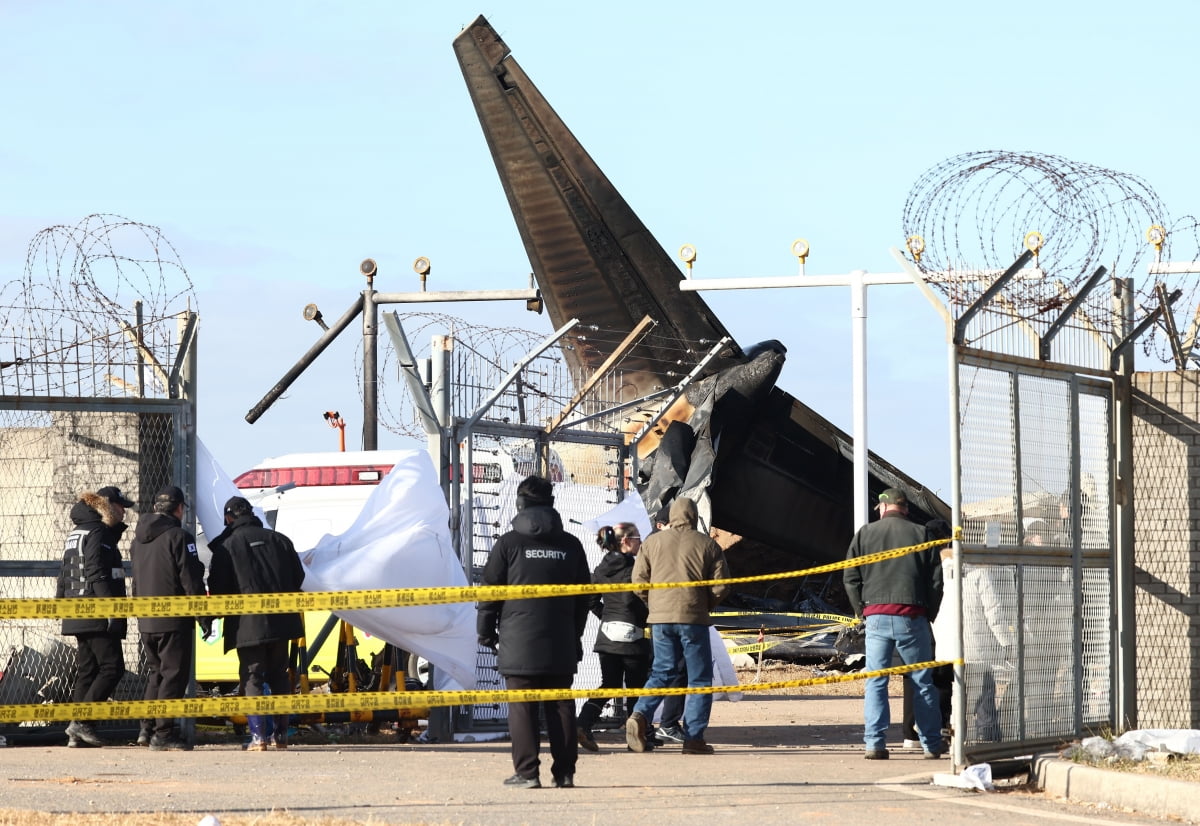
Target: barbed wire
(975, 210)
(69, 327)
(483, 355)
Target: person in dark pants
(538, 641)
(92, 567)
(248, 558)
(165, 564)
(621, 642)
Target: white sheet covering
(402, 540)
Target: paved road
(779, 760)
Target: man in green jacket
(896, 599)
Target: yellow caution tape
(750, 648)
(220, 606)
(837, 618)
(381, 700)
(787, 630)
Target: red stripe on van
(301, 477)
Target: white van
(308, 495)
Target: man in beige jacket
(680, 619)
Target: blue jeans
(909, 637)
(673, 641)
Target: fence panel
(1037, 552)
(587, 480)
(51, 451)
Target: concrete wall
(1166, 476)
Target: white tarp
(213, 489)
(1134, 745)
(630, 509)
(401, 539)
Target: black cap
(170, 495)
(534, 491)
(114, 495)
(238, 506)
(893, 496)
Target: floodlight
(311, 313)
(916, 246)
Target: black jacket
(912, 579)
(91, 564)
(542, 635)
(165, 564)
(250, 559)
(624, 606)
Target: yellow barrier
(220, 606)
(379, 701)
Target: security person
(251, 559)
(92, 567)
(165, 564)
(539, 640)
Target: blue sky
(278, 144)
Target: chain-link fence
(51, 451)
(1166, 426)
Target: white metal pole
(858, 314)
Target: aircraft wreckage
(779, 476)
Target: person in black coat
(92, 567)
(165, 564)
(538, 641)
(248, 558)
(621, 642)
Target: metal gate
(494, 430)
(1037, 554)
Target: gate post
(1125, 638)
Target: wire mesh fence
(49, 456)
(1166, 477)
(587, 481)
(1037, 549)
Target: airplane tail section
(592, 256)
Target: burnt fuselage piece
(776, 472)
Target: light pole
(857, 281)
